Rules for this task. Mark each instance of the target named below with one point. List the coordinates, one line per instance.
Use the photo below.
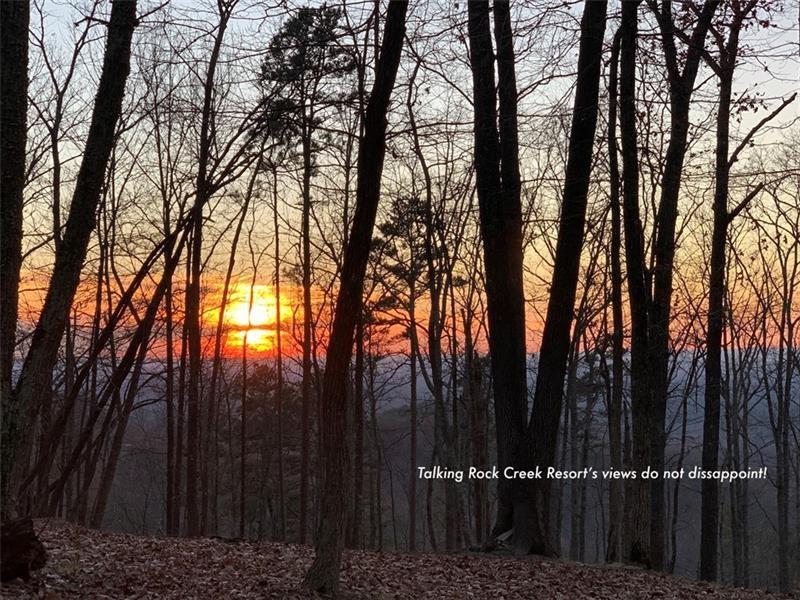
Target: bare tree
(323, 576)
(501, 230)
(35, 377)
(14, 107)
(543, 426)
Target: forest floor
(84, 563)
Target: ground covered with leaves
(91, 564)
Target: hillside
(89, 564)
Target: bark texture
(13, 134)
(501, 231)
(637, 500)
(33, 385)
(543, 426)
(22, 551)
(323, 576)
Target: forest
(365, 285)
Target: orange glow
(256, 324)
(240, 314)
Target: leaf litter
(85, 563)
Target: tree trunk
(501, 230)
(179, 425)
(377, 458)
(278, 358)
(13, 114)
(477, 438)
(637, 499)
(305, 456)
(543, 426)
(323, 576)
(169, 399)
(36, 372)
(243, 412)
(709, 511)
(358, 416)
(681, 85)
(22, 551)
(412, 483)
(193, 320)
(124, 413)
(615, 503)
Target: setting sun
(262, 311)
(256, 324)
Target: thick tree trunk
(13, 134)
(543, 427)
(36, 372)
(501, 230)
(22, 551)
(323, 576)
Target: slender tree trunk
(243, 409)
(679, 466)
(587, 427)
(412, 483)
(429, 509)
(571, 405)
(709, 517)
(169, 399)
(193, 320)
(637, 499)
(443, 432)
(358, 417)
(478, 441)
(305, 456)
(212, 405)
(243, 443)
(323, 576)
(278, 357)
(454, 513)
(179, 426)
(123, 414)
(615, 503)
(377, 456)
(681, 84)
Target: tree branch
(743, 204)
(735, 156)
